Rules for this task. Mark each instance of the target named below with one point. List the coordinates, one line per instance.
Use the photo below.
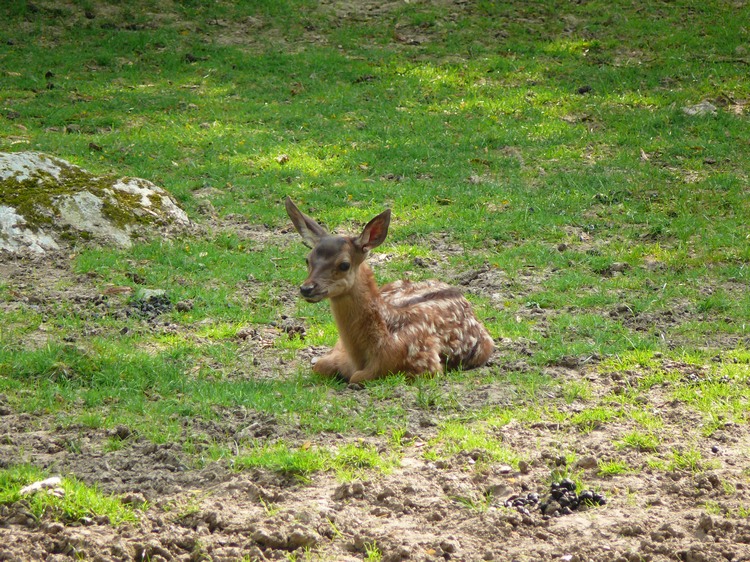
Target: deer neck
(359, 316)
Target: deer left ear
(374, 232)
(310, 231)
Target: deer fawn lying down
(403, 327)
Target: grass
(640, 441)
(554, 156)
(76, 502)
(349, 462)
(613, 468)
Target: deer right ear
(374, 232)
(310, 231)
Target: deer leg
(366, 374)
(335, 362)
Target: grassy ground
(539, 154)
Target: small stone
(551, 508)
(302, 538)
(47, 484)
(270, 539)
(449, 546)
(55, 528)
(568, 484)
(135, 499)
(524, 467)
(121, 432)
(706, 523)
(702, 108)
(357, 489)
(586, 463)
(184, 306)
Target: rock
(302, 538)
(184, 306)
(45, 202)
(135, 499)
(551, 507)
(270, 539)
(449, 546)
(586, 463)
(706, 523)
(47, 484)
(55, 528)
(693, 555)
(120, 432)
(702, 108)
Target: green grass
(78, 501)
(477, 442)
(555, 157)
(640, 441)
(613, 468)
(350, 461)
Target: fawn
(405, 327)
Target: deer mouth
(315, 298)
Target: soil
(456, 509)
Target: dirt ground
(413, 513)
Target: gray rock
(586, 462)
(47, 203)
(270, 539)
(302, 538)
(702, 108)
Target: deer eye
(344, 266)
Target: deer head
(334, 261)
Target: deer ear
(310, 231)
(374, 232)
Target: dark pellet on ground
(562, 500)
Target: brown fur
(404, 327)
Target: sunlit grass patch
(354, 460)
(689, 460)
(639, 440)
(594, 418)
(473, 439)
(577, 390)
(613, 468)
(686, 459)
(280, 457)
(350, 461)
(75, 501)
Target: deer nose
(307, 290)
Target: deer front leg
(366, 374)
(335, 362)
